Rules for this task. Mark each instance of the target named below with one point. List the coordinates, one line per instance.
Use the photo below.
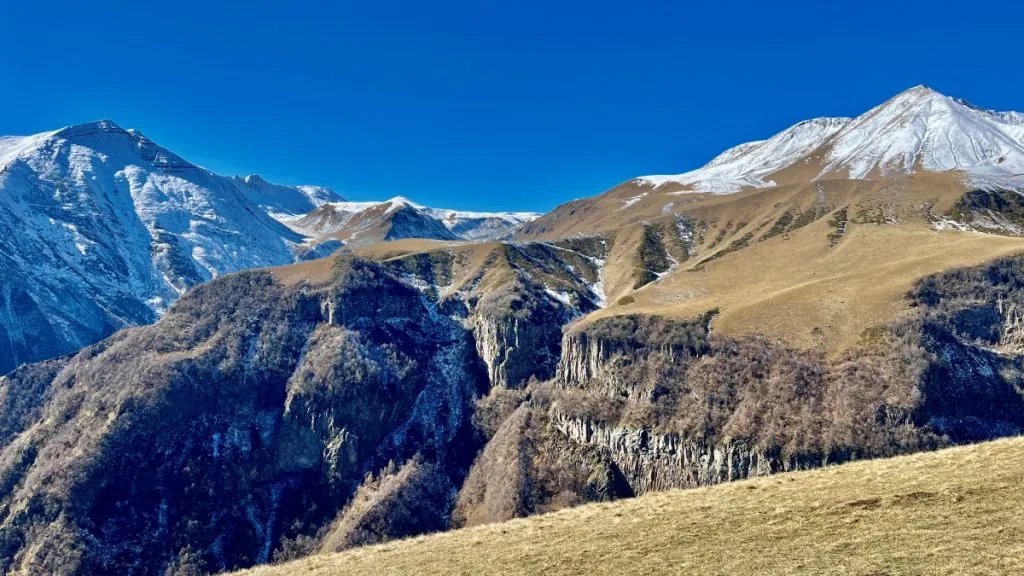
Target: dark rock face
(259, 421)
(517, 303)
(672, 407)
(245, 417)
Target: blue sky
(480, 104)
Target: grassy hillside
(956, 511)
(816, 265)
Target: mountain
(653, 337)
(917, 130)
(105, 229)
(361, 223)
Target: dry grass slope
(951, 512)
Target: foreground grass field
(957, 511)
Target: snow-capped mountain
(922, 129)
(358, 223)
(919, 129)
(103, 228)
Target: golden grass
(395, 248)
(800, 290)
(953, 512)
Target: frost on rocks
(597, 287)
(560, 296)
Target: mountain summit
(917, 130)
(107, 228)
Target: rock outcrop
(243, 419)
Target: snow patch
(631, 201)
(563, 297)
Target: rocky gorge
(262, 420)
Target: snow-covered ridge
(279, 200)
(440, 213)
(919, 129)
(354, 217)
(746, 165)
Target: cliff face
(516, 301)
(672, 407)
(651, 461)
(516, 348)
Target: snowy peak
(919, 129)
(87, 129)
(358, 223)
(104, 228)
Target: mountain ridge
(918, 129)
(360, 223)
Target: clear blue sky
(481, 104)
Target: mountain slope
(105, 229)
(750, 164)
(362, 223)
(284, 201)
(951, 512)
(347, 401)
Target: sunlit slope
(806, 292)
(814, 265)
(950, 512)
